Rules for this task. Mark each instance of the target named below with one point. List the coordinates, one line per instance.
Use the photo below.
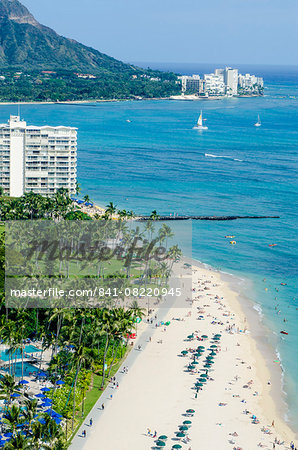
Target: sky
(183, 31)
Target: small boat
(200, 125)
(128, 121)
(283, 284)
(284, 332)
(258, 123)
(233, 242)
(272, 245)
(230, 237)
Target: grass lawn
(92, 396)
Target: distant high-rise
(231, 80)
(37, 159)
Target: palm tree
(111, 209)
(20, 442)
(8, 386)
(165, 233)
(13, 417)
(80, 358)
(30, 410)
(154, 215)
(78, 188)
(137, 312)
(174, 254)
(86, 199)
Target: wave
(209, 155)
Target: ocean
(157, 161)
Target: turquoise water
(4, 355)
(158, 162)
(28, 368)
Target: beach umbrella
(213, 346)
(201, 347)
(204, 336)
(198, 385)
(59, 382)
(191, 367)
(24, 382)
(184, 352)
(15, 395)
(217, 335)
(160, 444)
(42, 374)
(213, 354)
(183, 428)
(42, 421)
(187, 422)
(180, 434)
(177, 446)
(203, 375)
(45, 389)
(162, 437)
(57, 420)
(190, 411)
(207, 365)
(195, 362)
(202, 380)
(40, 396)
(7, 434)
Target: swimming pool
(17, 369)
(4, 355)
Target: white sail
(200, 120)
(258, 124)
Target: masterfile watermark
(93, 263)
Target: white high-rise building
(231, 81)
(214, 84)
(37, 159)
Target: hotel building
(37, 159)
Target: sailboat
(258, 123)
(200, 125)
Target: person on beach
(103, 406)
(91, 422)
(84, 433)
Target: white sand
(157, 390)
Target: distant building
(190, 83)
(37, 159)
(231, 81)
(222, 82)
(214, 84)
(86, 76)
(248, 83)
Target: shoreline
(149, 389)
(260, 336)
(116, 100)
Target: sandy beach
(234, 409)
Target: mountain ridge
(25, 43)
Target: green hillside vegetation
(27, 49)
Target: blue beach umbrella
(40, 396)
(59, 382)
(42, 420)
(15, 395)
(24, 382)
(8, 434)
(45, 389)
(42, 374)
